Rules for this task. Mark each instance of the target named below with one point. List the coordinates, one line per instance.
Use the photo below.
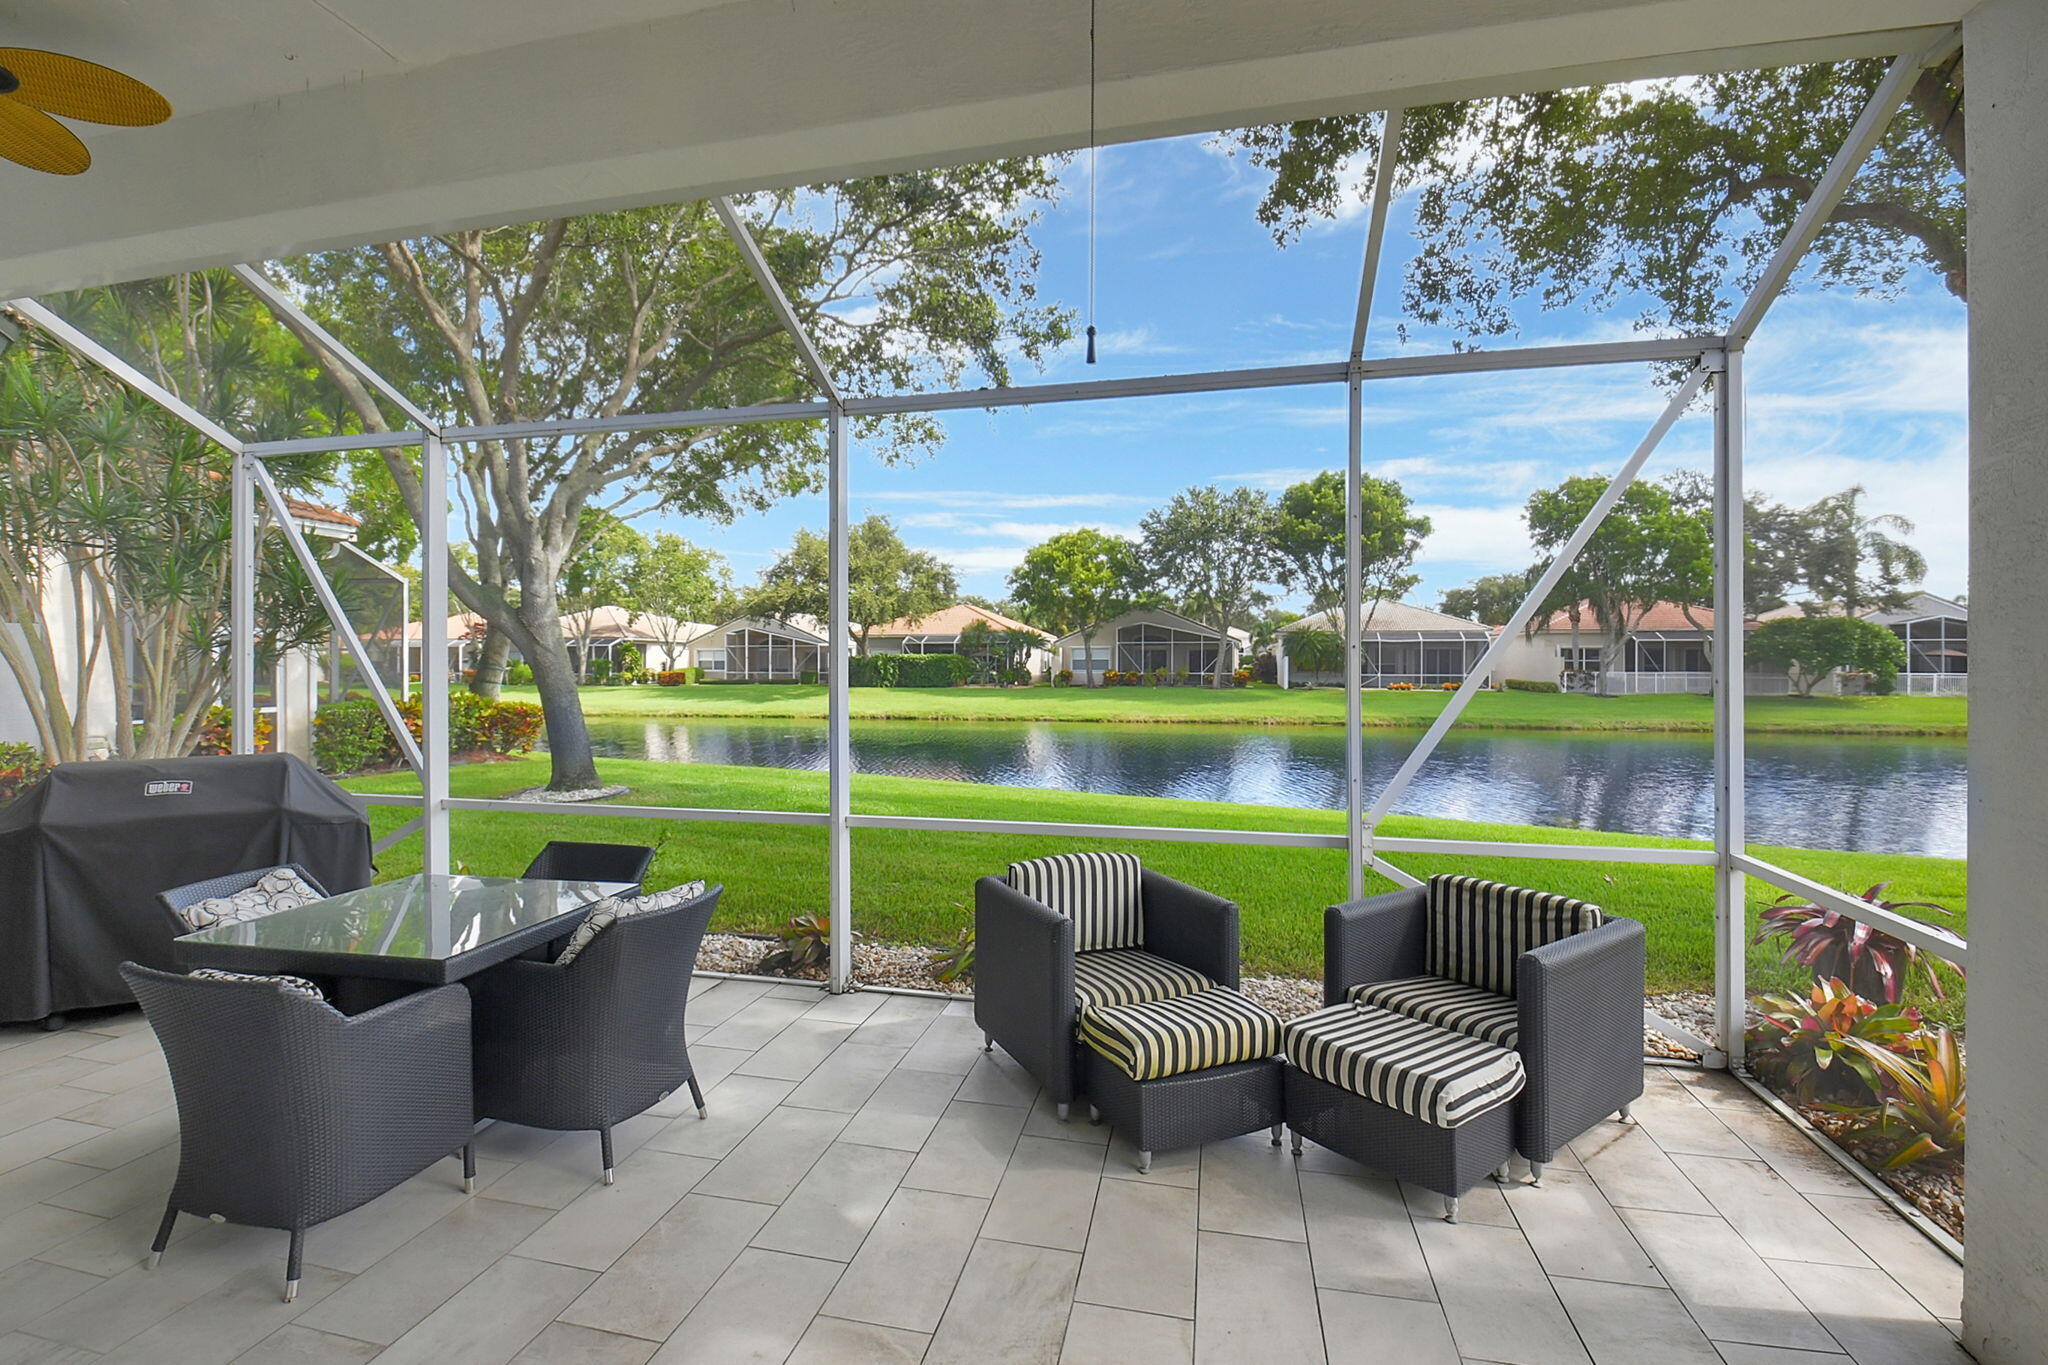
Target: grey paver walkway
(870, 1186)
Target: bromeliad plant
(1820, 1047)
(806, 943)
(1832, 945)
(957, 962)
(1924, 1107)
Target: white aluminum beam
(398, 836)
(641, 421)
(1651, 349)
(1926, 937)
(321, 445)
(1089, 390)
(1574, 853)
(242, 601)
(1870, 125)
(838, 717)
(85, 348)
(1394, 874)
(750, 251)
(1731, 825)
(1376, 226)
(337, 616)
(1538, 594)
(436, 859)
(282, 303)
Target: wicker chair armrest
(1024, 980)
(1193, 927)
(1583, 992)
(1379, 938)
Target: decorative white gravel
(543, 796)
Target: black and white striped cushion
(1428, 1073)
(1130, 976)
(1477, 928)
(1191, 1033)
(1100, 892)
(1491, 1018)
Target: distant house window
(1585, 660)
(712, 661)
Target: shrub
(511, 727)
(519, 673)
(1811, 647)
(1532, 685)
(1111, 677)
(696, 673)
(628, 660)
(1925, 1107)
(872, 670)
(349, 736)
(217, 732)
(1448, 687)
(1831, 944)
(21, 766)
(1241, 678)
(1400, 687)
(808, 676)
(957, 962)
(1065, 677)
(673, 677)
(600, 670)
(933, 670)
(806, 943)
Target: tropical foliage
(1809, 648)
(1832, 945)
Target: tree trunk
(572, 766)
(490, 664)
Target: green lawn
(918, 888)
(1271, 706)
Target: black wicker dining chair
(589, 1042)
(181, 898)
(566, 861)
(290, 1112)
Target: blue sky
(1842, 390)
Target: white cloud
(1487, 539)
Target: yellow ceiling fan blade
(32, 138)
(74, 88)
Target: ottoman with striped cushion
(1411, 1099)
(1183, 1071)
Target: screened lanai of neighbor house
(844, 1172)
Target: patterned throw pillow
(290, 985)
(280, 889)
(1478, 929)
(1101, 892)
(612, 909)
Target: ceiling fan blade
(75, 88)
(33, 139)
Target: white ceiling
(304, 123)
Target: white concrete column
(2005, 1299)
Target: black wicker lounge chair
(565, 861)
(1546, 976)
(1030, 984)
(291, 1113)
(590, 1042)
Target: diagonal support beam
(1813, 216)
(284, 305)
(1376, 227)
(750, 250)
(85, 348)
(1545, 585)
(407, 746)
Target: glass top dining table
(422, 929)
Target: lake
(1874, 794)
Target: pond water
(1869, 794)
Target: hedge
(908, 670)
(349, 736)
(1531, 685)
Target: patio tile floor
(870, 1186)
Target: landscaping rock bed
(1934, 1188)
(543, 796)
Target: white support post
(434, 655)
(1538, 594)
(242, 605)
(838, 722)
(1731, 921)
(1357, 841)
(1358, 834)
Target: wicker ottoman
(1409, 1099)
(1181, 1072)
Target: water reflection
(1872, 794)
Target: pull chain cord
(1094, 161)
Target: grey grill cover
(84, 852)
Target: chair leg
(1094, 1114)
(1144, 1163)
(1296, 1135)
(1535, 1173)
(1504, 1173)
(291, 1264)
(1276, 1133)
(1625, 1116)
(604, 1137)
(988, 1042)
(469, 1168)
(163, 1235)
(1063, 1112)
(1450, 1208)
